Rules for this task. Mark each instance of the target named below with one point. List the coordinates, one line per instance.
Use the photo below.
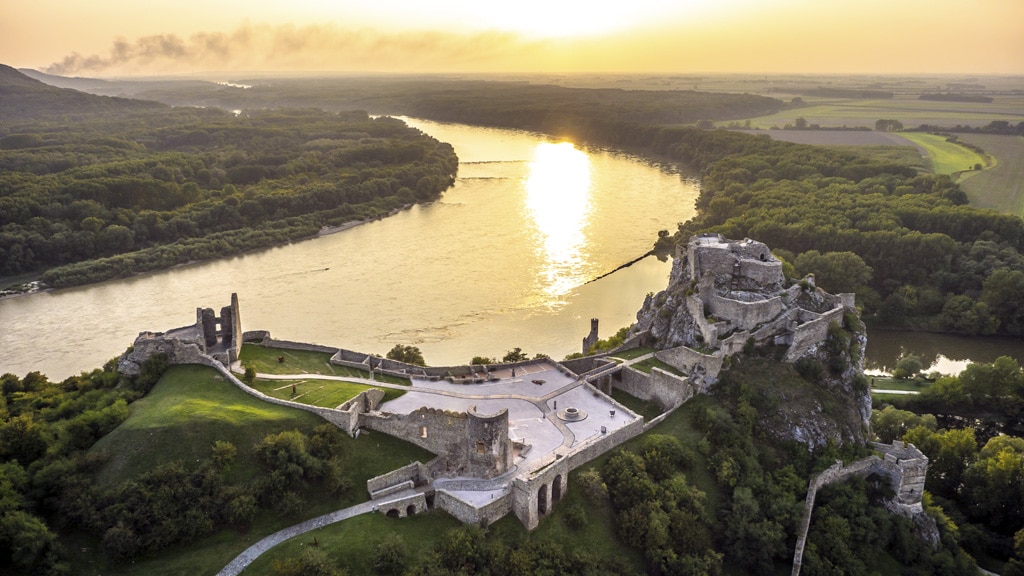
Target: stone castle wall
(809, 335)
(745, 315)
(415, 473)
(468, 444)
(470, 514)
(690, 361)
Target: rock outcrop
(728, 298)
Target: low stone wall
(289, 345)
(709, 332)
(470, 514)
(416, 473)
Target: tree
(907, 367)
(1003, 292)
(515, 355)
(963, 314)
(800, 123)
(249, 376)
(483, 360)
(407, 354)
(389, 556)
(834, 271)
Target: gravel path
(253, 552)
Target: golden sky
(127, 37)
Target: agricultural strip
(946, 157)
(1000, 187)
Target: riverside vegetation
(111, 188)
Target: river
(502, 260)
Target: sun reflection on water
(558, 197)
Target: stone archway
(411, 510)
(556, 490)
(393, 513)
(542, 500)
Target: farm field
(999, 187)
(946, 157)
(910, 111)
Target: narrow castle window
(423, 431)
(481, 448)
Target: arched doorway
(410, 510)
(542, 500)
(556, 490)
(393, 513)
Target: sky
(110, 38)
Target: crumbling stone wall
(457, 437)
(809, 335)
(744, 315)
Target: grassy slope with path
(189, 409)
(265, 360)
(323, 393)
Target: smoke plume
(303, 48)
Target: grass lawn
(946, 157)
(999, 187)
(884, 383)
(324, 393)
(190, 408)
(264, 360)
(633, 353)
(646, 365)
(649, 410)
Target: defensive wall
(467, 443)
(905, 467)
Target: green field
(946, 157)
(908, 110)
(189, 409)
(649, 410)
(633, 353)
(323, 393)
(998, 187)
(266, 360)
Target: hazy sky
(120, 37)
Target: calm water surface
(502, 260)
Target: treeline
(974, 472)
(114, 198)
(521, 105)
(956, 97)
(1000, 127)
(856, 93)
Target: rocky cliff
(730, 298)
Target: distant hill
(25, 98)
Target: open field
(946, 157)
(323, 393)
(190, 408)
(999, 187)
(265, 360)
(910, 111)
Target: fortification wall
(690, 361)
(695, 306)
(270, 342)
(761, 274)
(470, 514)
(745, 315)
(809, 334)
(403, 506)
(665, 389)
(415, 473)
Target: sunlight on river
(558, 198)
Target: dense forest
(115, 192)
